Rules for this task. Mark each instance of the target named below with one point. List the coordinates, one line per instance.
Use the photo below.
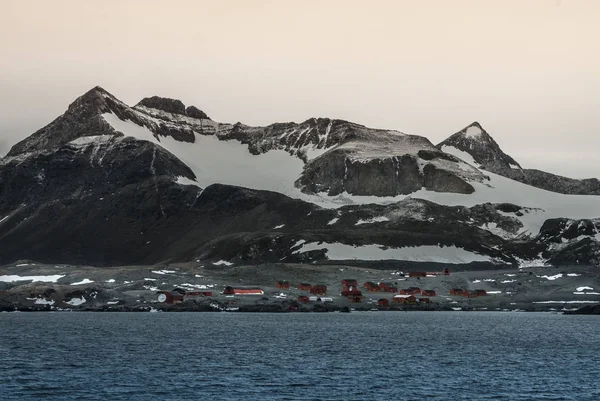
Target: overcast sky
(527, 70)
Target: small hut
(319, 289)
(229, 290)
(410, 291)
(383, 303)
(303, 299)
(170, 297)
(283, 284)
(304, 286)
(387, 287)
(404, 299)
(348, 283)
(371, 286)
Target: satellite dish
(162, 298)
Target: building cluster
(349, 289)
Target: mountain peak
(473, 130)
(473, 142)
(82, 118)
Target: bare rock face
(194, 112)
(557, 183)
(393, 176)
(82, 118)
(164, 103)
(173, 106)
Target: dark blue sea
(303, 356)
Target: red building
(304, 286)
(417, 274)
(242, 291)
(319, 289)
(283, 284)
(410, 291)
(428, 293)
(480, 293)
(303, 299)
(371, 286)
(351, 292)
(169, 297)
(457, 291)
(388, 287)
(404, 299)
(383, 303)
(445, 271)
(349, 282)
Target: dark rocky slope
(80, 192)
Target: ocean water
(332, 356)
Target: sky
(527, 70)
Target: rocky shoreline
(29, 286)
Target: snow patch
(299, 242)
(380, 219)
(42, 301)
(84, 281)
(426, 253)
(461, 154)
(279, 226)
(552, 278)
(562, 302)
(181, 180)
(222, 262)
(473, 132)
(43, 279)
(584, 288)
(163, 271)
(333, 221)
(91, 140)
(76, 301)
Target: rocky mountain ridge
(478, 147)
(108, 184)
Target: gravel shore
(28, 286)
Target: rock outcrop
(474, 144)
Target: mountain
(474, 145)
(109, 184)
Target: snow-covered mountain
(106, 183)
(474, 145)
